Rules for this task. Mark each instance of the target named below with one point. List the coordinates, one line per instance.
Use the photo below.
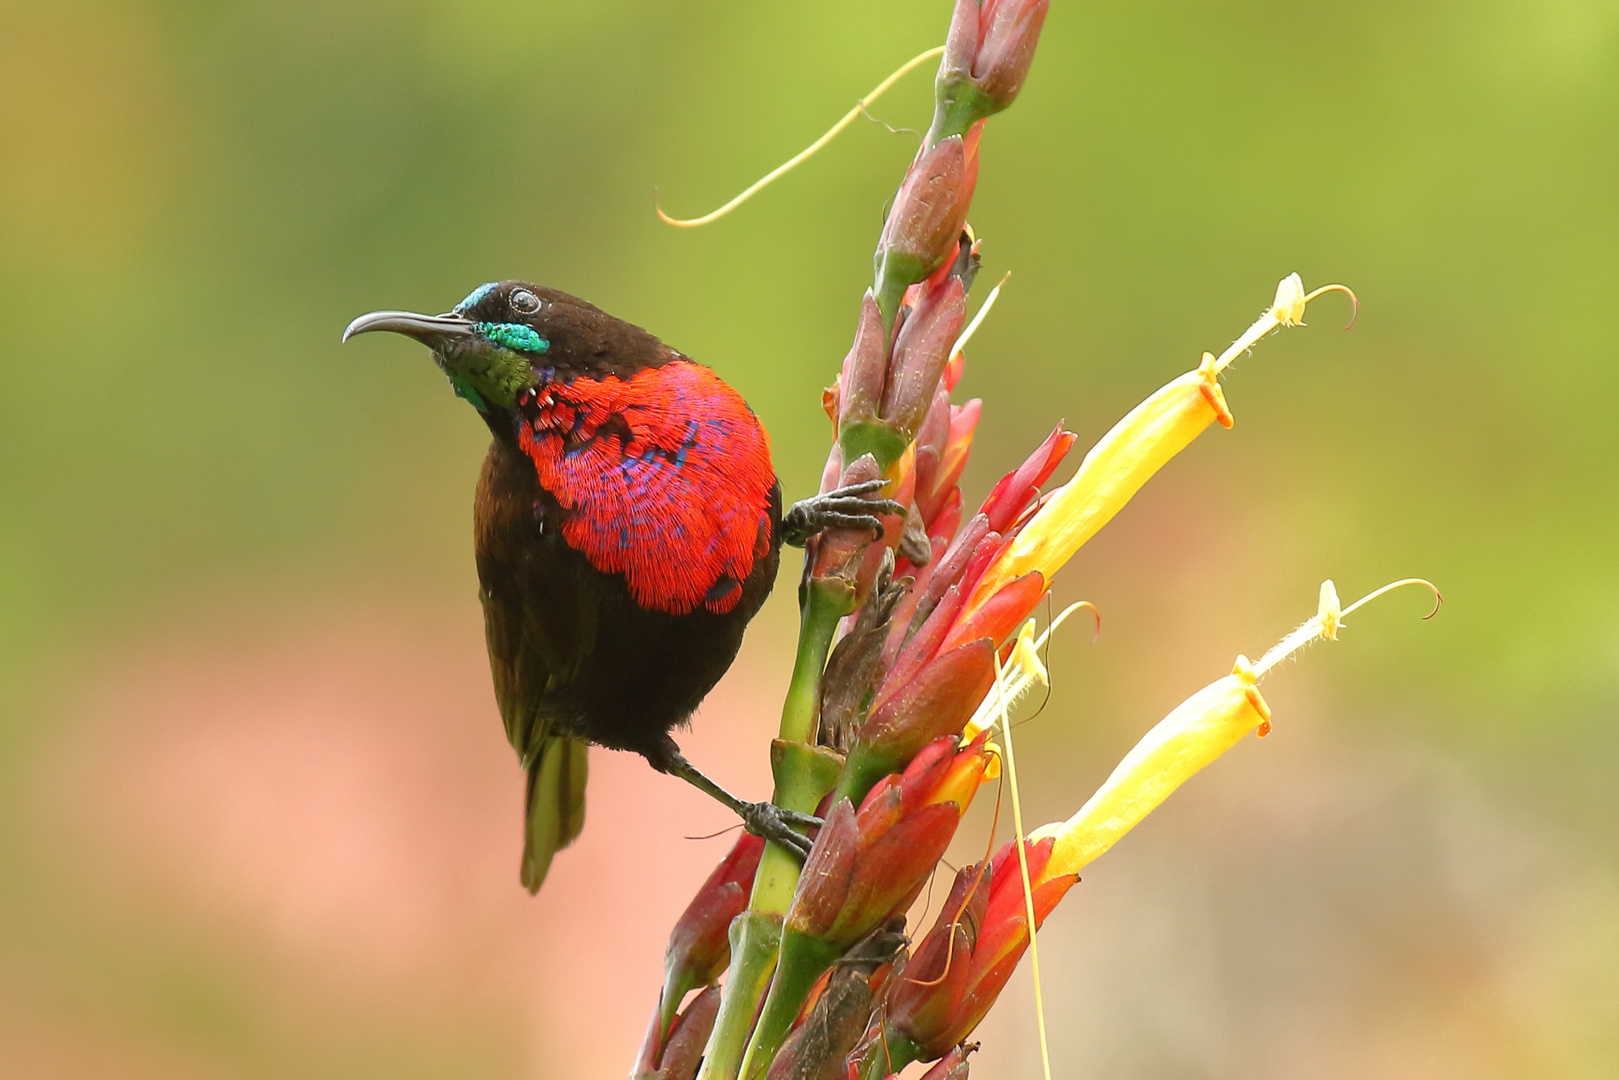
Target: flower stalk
(923, 266)
(913, 645)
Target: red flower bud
(920, 351)
(680, 1057)
(869, 865)
(865, 369)
(1008, 31)
(938, 700)
(953, 565)
(999, 614)
(964, 962)
(1020, 488)
(925, 223)
(699, 948)
(923, 1000)
(945, 522)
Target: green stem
(957, 106)
(860, 774)
(755, 940)
(803, 959)
(803, 779)
(889, 289)
(801, 782)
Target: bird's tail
(556, 805)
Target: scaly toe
(770, 821)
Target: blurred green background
(256, 816)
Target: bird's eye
(524, 302)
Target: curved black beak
(431, 330)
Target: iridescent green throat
(489, 373)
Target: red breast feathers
(664, 478)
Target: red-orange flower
(958, 971)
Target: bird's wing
(540, 613)
(664, 478)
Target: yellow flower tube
(1200, 729)
(1129, 454)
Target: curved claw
(798, 820)
(771, 822)
(841, 508)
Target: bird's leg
(841, 508)
(761, 818)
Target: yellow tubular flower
(1136, 447)
(1200, 729)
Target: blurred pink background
(257, 816)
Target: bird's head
(509, 335)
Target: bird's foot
(776, 825)
(768, 820)
(841, 508)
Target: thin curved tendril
(892, 130)
(1023, 867)
(808, 152)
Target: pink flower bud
(987, 55)
(931, 439)
(835, 552)
(1019, 489)
(679, 1058)
(962, 965)
(869, 864)
(961, 42)
(1008, 31)
(925, 223)
(699, 948)
(865, 369)
(920, 351)
(961, 423)
(953, 1066)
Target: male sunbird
(627, 525)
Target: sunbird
(627, 524)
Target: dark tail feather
(556, 805)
